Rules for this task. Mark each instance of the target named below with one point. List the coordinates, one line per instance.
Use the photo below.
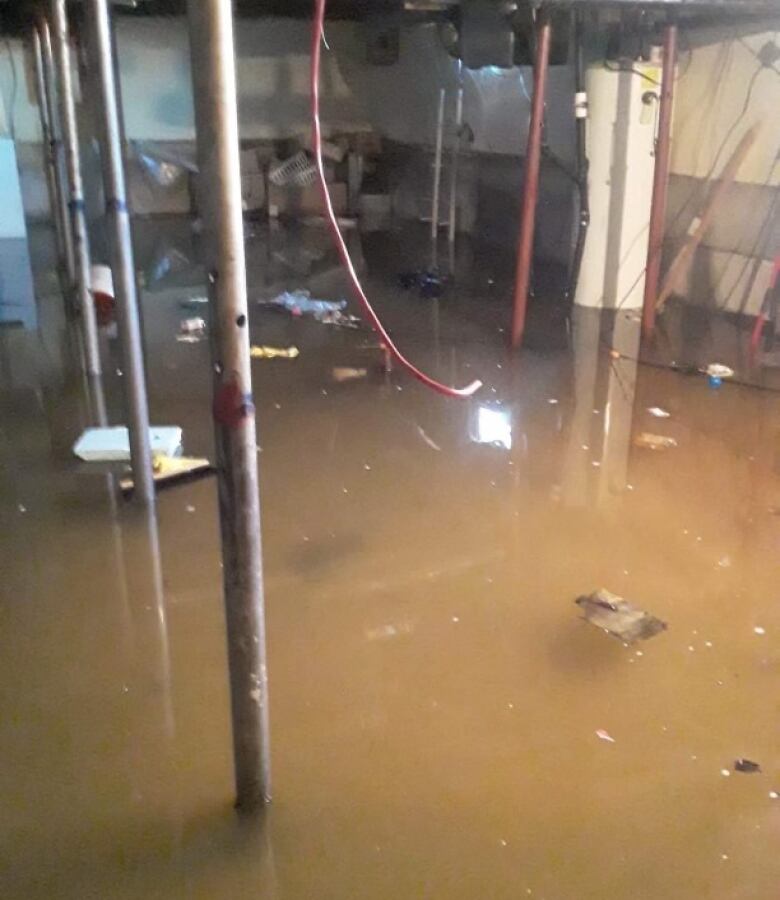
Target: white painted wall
(722, 91)
(18, 107)
(12, 223)
(403, 98)
(273, 76)
(712, 87)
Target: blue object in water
(715, 381)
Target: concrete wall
(399, 100)
(723, 90)
(402, 99)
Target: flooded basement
(444, 723)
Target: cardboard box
(295, 201)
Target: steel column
(216, 118)
(49, 151)
(437, 159)
(456, 147)
(78, 217)
(122, 260)
(50, 93)
(533, 157)
(663, 147)
(583, 164)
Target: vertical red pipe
(663, 149)
(533, 156)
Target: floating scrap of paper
(618, 617)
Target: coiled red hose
(365, 305)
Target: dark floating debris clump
(747, 766)
(618, 617)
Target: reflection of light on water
(493, 426)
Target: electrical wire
(633, 71)
(722, 147)
(341, 246)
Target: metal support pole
(122, 261)
(533, 157)
(437, 168)
(50, 92)
(583, 164)
(663, 148)
(216, 118)
(453, 218)
(85, 304)
(49, 152)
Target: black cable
(760, 239)
(771, 66)
(620, 68)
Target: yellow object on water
(170, 469)
(273, 352)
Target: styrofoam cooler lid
(101, 280)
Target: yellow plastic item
(273, 352)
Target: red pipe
(533, 158)
(767, 309)
(341, 246)
(663, 148)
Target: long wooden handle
(682, 262)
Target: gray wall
(398, 101)
(733, 265)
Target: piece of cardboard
(295, 201)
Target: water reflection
(605, 350)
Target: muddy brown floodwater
(435, 695)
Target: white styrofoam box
(113, 444)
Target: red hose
(365, 305)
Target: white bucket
(101, 281)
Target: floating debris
(718, 370)
(341, 374)
(430, 284)
(619, 618)
(658, 412)
(386, 632)
(193, 302)
(169, 470)
(746, 766)
(759, 630)
(112, 444)
(193, 325)
(428, 440)
(654, 441)
(273, 352)
(603, 735)
(724, 562)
